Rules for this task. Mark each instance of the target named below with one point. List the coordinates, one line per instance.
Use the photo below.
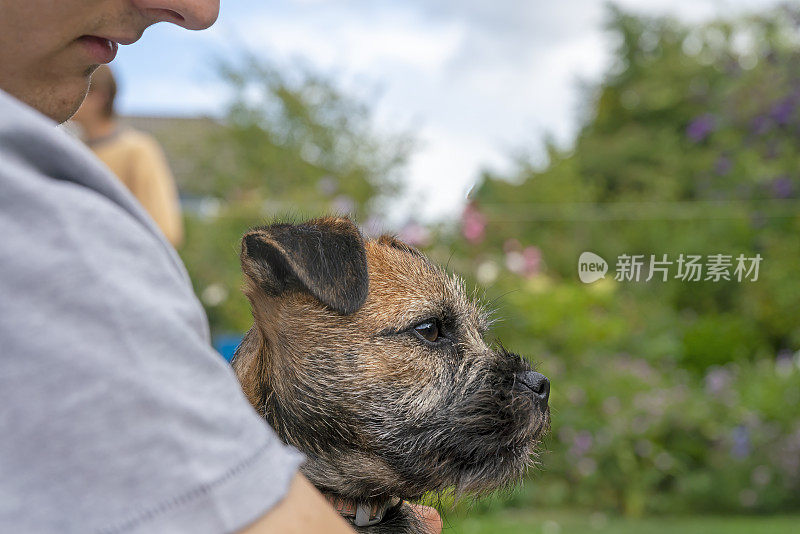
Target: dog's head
(372, 361)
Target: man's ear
(324, 257)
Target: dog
(371, 360)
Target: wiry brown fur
(341, 375)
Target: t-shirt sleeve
(116, 416)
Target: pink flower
(473, 224)
(525, 262)
(415, 235)
(532, 258)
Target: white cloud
(348, 40)
(478, 79)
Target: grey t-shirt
(116, 416)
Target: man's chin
(58, 101)
(70, 102)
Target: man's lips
(100, 49)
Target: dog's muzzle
(537, 384)
(363, 514)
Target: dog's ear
(324, 257)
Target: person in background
(133, 156)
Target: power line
(682, 210)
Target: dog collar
(363, 514)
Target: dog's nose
(537, 383)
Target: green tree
(667, 396)
(291, 144)
(692, 146)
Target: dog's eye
(428, 330)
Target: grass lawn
(516, 521)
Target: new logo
(591, 267)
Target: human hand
(429, 516)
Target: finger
(429, 516)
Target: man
(115, 414)
(133, 156)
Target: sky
(476, 82)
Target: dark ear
(324, 257)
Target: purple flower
(582, 443)
(723, 165)
(782, 187)
(784, 362)
(740, 448)
(700, 127)
(760, 125)
(782, 111)
(718, 380)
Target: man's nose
(191, 14)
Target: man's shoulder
(23, 130)
(45, 172)
(34, 141)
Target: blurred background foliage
(290, 146)
(668, 396)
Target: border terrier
(371, 360)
